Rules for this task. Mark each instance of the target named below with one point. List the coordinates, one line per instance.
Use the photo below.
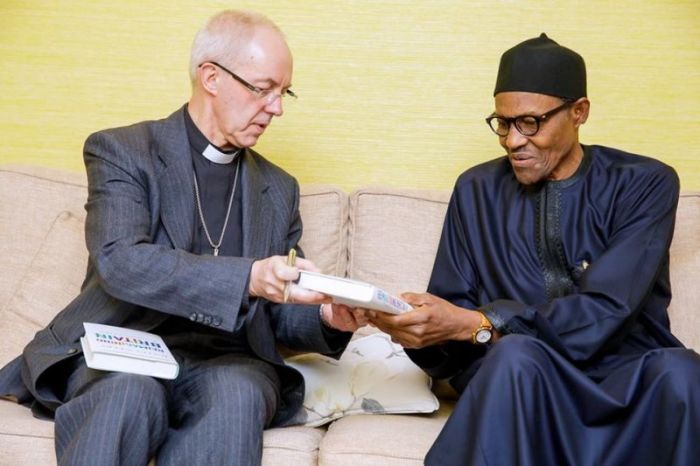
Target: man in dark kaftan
(548, 298)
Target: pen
(291, 259)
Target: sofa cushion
(324, 211)
(42, 292)
(685, 272)
(293, 446)
(31, 199)
(24, 440)
(50, 281)
(20, 422)
(391, 440)
(16, 333)
(26, 451)
(36, 201)
(373, 375)
(394, 234)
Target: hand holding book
(436, 321)
(343, 318)
(269, 279)
(352, 293)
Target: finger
(359, 313)
(344, 314)
(301, 295)
(408, 340)
(349, 320)
(393, 320)
(341, 307)
(400, 341)
(412, 334)
(360, 317)
(416, 299)
(342, 319)
(284, 272)
(305, 264)
(391, 330)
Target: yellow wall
(392, 91)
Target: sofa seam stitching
(38, 177)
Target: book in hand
(352, 293)
(118, 349)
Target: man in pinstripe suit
(186, 229)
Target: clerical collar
(201, 145)
(216, 155)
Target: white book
(353, 293)
(118, 349)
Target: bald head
(230, 37)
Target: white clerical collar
(215, 155)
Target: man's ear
(580, 110)
(208, 76)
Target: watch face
(483, 336)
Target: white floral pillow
(373, 375)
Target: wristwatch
(483, 334)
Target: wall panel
(392, 92)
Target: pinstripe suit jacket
(139, 229)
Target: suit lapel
(177, 191)
(175, 180)
(256, 209)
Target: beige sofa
(384, 236)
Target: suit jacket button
(216, 321)
(72, 351)
(207, 320)
(193, 317)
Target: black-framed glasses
(527, 125)
(264, 94)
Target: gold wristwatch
(483, 334)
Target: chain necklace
(228, 212)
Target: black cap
(542, 66)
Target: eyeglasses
(527, 125)
(263, 94)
